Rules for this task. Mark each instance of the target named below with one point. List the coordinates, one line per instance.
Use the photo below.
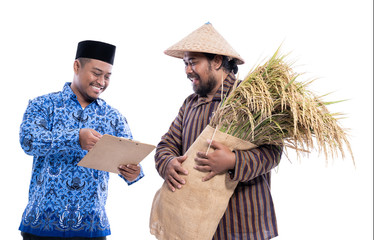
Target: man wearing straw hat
(67, 201)
(210, 64)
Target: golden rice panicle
(271, 107)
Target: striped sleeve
(255, 162)
(171, 144)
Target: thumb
(214, 144)
(182, 158)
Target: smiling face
(91, 78)
(199, 70)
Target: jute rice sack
(194, 211)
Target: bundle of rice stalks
(270, 107)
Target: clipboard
(110, 152)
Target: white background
(329, 39)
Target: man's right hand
(88, 138)
(173, 171)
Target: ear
(76, 66)
(217, 62)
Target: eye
(193, 63)
(96, 74)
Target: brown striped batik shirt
(250, 213)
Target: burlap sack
(194, 211)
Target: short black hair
(83, 61)
(228, 65)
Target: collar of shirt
(68, 94)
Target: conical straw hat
(204, 39)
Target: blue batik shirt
(66, 200)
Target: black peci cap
(96, 50)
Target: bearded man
(211, 65)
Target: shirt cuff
(140, 176)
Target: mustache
(191, 75)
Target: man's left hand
(219, 161)
(130, 171)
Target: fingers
(201, 155)
(180, 169)
(170, 185)
(202, 162)
(129, 168)
(172, 174)
(88, 138)
(175, 182)
(209, 176)
(214, 144)
(216, 162)
(176, 164)
(94, 137)
(204, 168)
(95, 133)
(129, 171)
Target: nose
(188, 69)
(101, 80)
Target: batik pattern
(65, 199)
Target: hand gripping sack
(194, 211)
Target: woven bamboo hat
(204, 39)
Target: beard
(204, 88)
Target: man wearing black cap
(67, 201)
